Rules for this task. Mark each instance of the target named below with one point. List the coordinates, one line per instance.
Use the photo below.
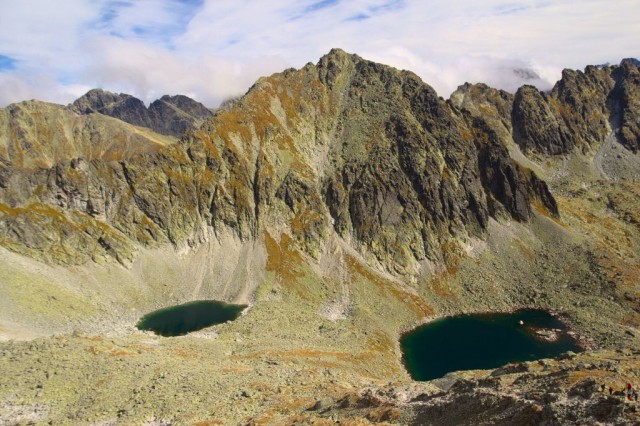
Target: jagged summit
(169, 115)
(581, 110)
(632, 61)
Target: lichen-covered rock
(174, 115)
(493, 106)
(581, 100)
(626, 100)
(537, 126)
(580, 111)
(522, 395)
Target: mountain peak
(169, 115)
(97, 99)
(630, 61)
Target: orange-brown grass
(110, 351)
(182, 353)
(542, 210)
(285, 261)
(440, 286)
(451, 253)
(600, 376)
(358, 421)
(632, 319)
(605, 230)
(303, 220)
(383, 414)
(296, 404)
(526, 251)
(307, 354)
(237, 369)
(322, 359)
(33, 210)
(611, 235)
(212, 422)
(414, 302)
(285, 406)
(122, 353)
(380, 342)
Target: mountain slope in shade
(169, 115)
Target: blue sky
(7, 63)
(215, 49)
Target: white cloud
(14, 88)
(43, 35)
(213, 49)
(150, 71)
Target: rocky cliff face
(625, 100)
(578, 113)
(169, 115)
(347, 144)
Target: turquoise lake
(482, 341)
(182, 319)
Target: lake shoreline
(562, 334)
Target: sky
(214, 50)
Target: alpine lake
(192, 316)
(483, 341)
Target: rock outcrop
(625, 99)
(169, 115)
(567, 391)
(537, 126)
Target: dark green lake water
(469, 342)
(182, 319)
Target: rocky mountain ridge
(580, 111)
(395, 154)
(169, 115)
(358, 144)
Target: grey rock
(169, 115)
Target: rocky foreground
(194, 380)
(346, 203)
